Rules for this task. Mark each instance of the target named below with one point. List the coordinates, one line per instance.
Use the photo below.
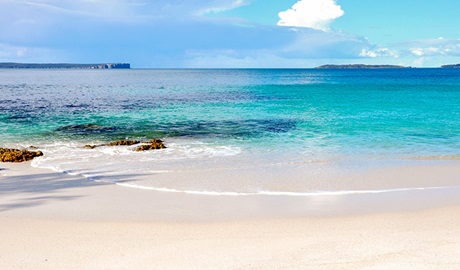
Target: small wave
(283, 193)
(122, 163)
(102, 177)
(122, 166)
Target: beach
(51, 220)
(229, 134)
(260, 169)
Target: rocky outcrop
(153, 144)
(17, 155)
(123, 142)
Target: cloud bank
(316, 14)
(379, 52)
(435, 47)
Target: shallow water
(234, 131)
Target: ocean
(234, 131)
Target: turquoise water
(223, 118)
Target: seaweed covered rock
(17, 155)
(116, 143)
(153, 144)
(124, 142)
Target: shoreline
(250, 174)
(22, 182)
(51, 220)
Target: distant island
(451, 66)
(361, 66)
(67, 66)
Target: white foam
(282, 193)
(119, 164)
(97, 177)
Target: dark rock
(17, 155)
(153, 144)
(116, 143)
(91, 146)
(123, 142)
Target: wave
(122, 163)
(96, 178)
(285, 193)
(122, 166)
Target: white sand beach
(51, 220)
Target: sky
(231, 33)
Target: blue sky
(231, 33)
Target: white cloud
(300, 48)
(380, 52)
(432, 47)
(316, 14)
(416, 48)
(453, 50)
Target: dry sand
(55, 221)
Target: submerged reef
(85, 129)
(191, 129)
(17, 155)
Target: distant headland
(67, 66)
(362, 66)
(451, 66)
